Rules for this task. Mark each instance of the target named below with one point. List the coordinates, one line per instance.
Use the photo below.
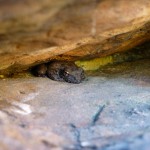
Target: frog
(40, 70)
(63, 71)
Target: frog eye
(66, 73)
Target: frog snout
(72, 79)
(75, 77)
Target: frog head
(72, 75)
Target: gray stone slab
(110, 110)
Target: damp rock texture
(110, 110)
(33, 32)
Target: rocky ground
(110, 110)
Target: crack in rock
(97, 115)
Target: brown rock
(33, 32)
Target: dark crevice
(76, 132)
(97, 115)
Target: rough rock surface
(32, 32)
(110, 110)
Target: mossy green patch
(94, 64)
(2, 76)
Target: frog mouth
(66, 76)
(71, 79)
